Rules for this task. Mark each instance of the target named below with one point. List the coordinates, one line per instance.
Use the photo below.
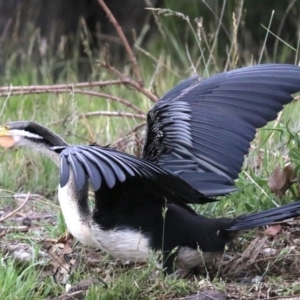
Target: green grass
(24, 171)
(19, 282)
(136, 284)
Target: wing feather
(210, 123)
(87, 162)
(78, 170)
(64, 171)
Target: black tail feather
(266, 217)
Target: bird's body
(197, 136)
(138, 209)
(132, 231)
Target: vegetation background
(54, 43)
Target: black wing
(201, 130)
(107, 167)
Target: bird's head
(32, 135)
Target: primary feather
(205, 126)
(106, 167)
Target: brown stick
(131, 82)
(65, 90)
(112, 114)
(68, 86)
(124, 40)
(14, 228)
(32, 218)
(104, 113)
(113, 98)
(6, 230)
(16, 210)
(40, 240)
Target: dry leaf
(63, 261)
(282, 179)
(273, 230)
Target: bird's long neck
(44, 144)
(45, 150)
(73, 203)
(76, 211)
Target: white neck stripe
(24, 133)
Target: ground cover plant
(37, 261)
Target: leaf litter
(246, 267)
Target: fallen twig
(32, 218)
(5, 230)
(39, 240)
(16, 210)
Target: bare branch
(131, 82)
(112, 114)
(66, 89)
(124, 40)
(104, 113)
(68, 86)
(113, 98)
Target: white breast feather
(125, 244)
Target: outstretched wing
(201, 130)
(106, 168)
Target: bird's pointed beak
(6, 140)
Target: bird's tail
(265, 217)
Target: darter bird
(196, 139)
